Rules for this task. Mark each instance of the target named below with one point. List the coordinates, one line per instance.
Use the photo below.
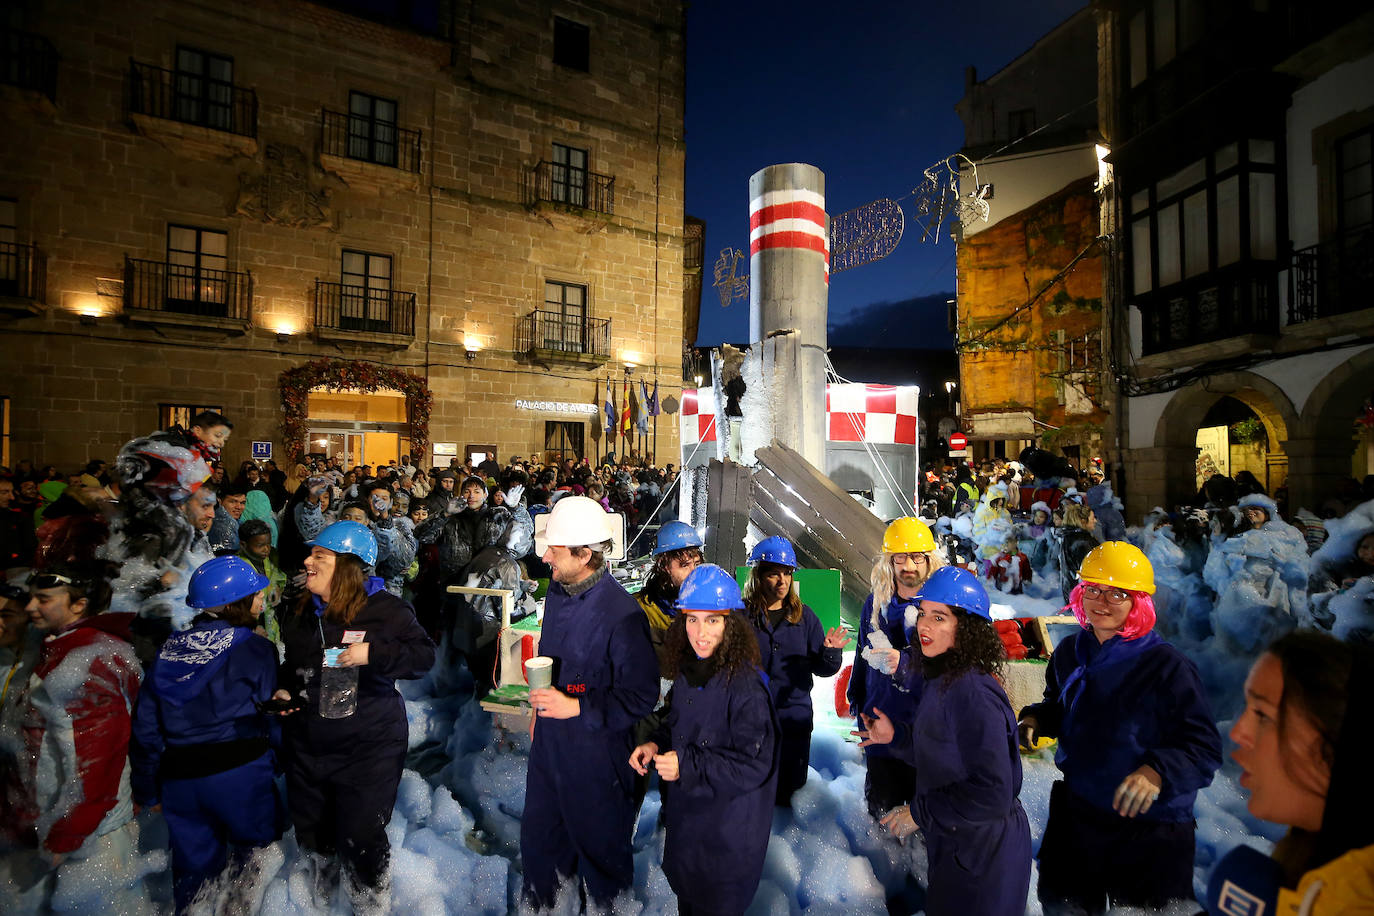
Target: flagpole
(656, 412)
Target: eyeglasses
(919, 559)
(1109, 595)
(53, 580)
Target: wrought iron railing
(1332, 278)
(345, 307)
(159, 286)
(192, 98)
(370, 140)
(23, 272)
(1225, 303)
(28, 61)
(693, 249)
(564, 333)
(561, 184)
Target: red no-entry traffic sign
(957, 442)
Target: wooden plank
(849, 524)
(781, 507)
(839, 507)
(846, 521)
(814, 540)
(727, 513)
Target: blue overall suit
(342, 774)
(890, 780)
(963, 743)
(200, 747)
(793, 655)
(720, 811)
(1116, 706)
(579, 787)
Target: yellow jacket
(658, 623)
(1340, 887)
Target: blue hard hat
(348, 537)
(956, 587)
(774, 550)
(222, 581)
(676, 535)
(709, 588)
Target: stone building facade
(1030, 277)
(200, 197)
(1240, 140)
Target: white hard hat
(575, 521)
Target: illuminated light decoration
(865, 234)
(791, 218)
(730, 284)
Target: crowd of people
(226, 652)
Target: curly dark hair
(976, 647)
(660, 581)
(738, 650)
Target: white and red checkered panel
(698, 415)
(881, 414)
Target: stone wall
(1020, 365)
(96, 184)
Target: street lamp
(949, 391)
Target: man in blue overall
(579, 789)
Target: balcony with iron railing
(23, 278)
(548, 336)
(1335, 277)
(29, 62)
(561, 186)
(192, 99)
(1239, 301)
(161, 292)
(354, 139)
(360, 314)
(693, 251)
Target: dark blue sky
(865, 91)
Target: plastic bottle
(338, 686)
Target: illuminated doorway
(358, 427)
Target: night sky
(864, 91)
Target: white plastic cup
(539, 672)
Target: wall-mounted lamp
(629, 368)
(283, 336)
(470, 347)
(88, 318)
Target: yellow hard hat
(908, 535)
(1119, 564)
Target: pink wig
(1139, 621)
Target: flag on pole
(626, 421)
(654, 408)
(641, 409)
(610, 409)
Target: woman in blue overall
(794, 649)
(718, 747)
(885, 677)
(345, 747)
(200, 745)
(963, 745)
(1136, 743)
